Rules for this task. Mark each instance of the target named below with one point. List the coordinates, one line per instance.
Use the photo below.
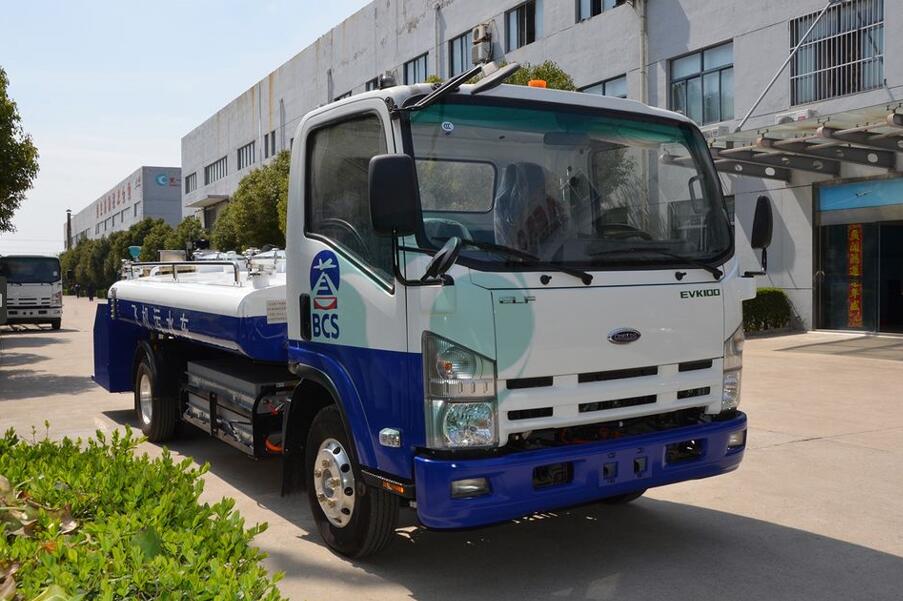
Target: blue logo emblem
(161, 179)
(324, 286)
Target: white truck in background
(495, 300)
(34, 289)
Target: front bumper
(33, 314)
(512, 492)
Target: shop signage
(854, 275)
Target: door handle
(305, 316)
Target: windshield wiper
(716, 273)
(583, 276)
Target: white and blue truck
(494, 300)
(34, 289)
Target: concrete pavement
(814, 512)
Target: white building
(838, 242)
(146, 192)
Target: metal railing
(176, 264)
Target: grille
(617, 374)
(617, 403)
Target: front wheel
(56, 324)
(354, 519)
(156, 410)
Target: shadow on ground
(25, 384)
(648, 550)
(873, 347)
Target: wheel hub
(145, 398)
(334, 482)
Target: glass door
(847, 277)
(890, 305)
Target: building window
(459, 53)
(269, 144)
(616, 86)
(702, 84)
(337, 159)
(135, 208)
(591, 8)
(415, 70)
(373, 84)
(191, 183)
(246, 155)
(341, 96)
(215, 170)
(844, 54)
(521, 25)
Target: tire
(155, 406)
(361, 523)
(56, 324)
(625, 498)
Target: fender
(330, 374)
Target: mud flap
(115, 342)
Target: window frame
(426, 68)
(249, 151)
(509, 47)
(701, 75)
(465, 57)
(602, 9)
(191, 182)
(371, 84)
(604, 83)
(387, 284)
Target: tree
(189, 230)
(225, 233)
(18, 158)
(256, 204)
(555, 77)
(154, 241)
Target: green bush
(768, 311)
(94, 520)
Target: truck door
(350, 310)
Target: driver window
(338, 159)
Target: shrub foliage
(768, 311)
(94, 520)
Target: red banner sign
(854, 273)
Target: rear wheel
(155, 408)
(625, 498)
(354, 519)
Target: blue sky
(106, 86)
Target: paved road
(814, 512)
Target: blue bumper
(598, 470)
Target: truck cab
(495, 300)
(34, 288)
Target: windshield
(569, 186)
(30, 270)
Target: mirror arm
(442, 280)
(764, 271)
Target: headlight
(733, 368)
(57, 299)
(460, 394)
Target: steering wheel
(345, 227)
(622, 231)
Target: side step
(238, 401)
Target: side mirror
(443, 259)
(763, 224)
(394, 197)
